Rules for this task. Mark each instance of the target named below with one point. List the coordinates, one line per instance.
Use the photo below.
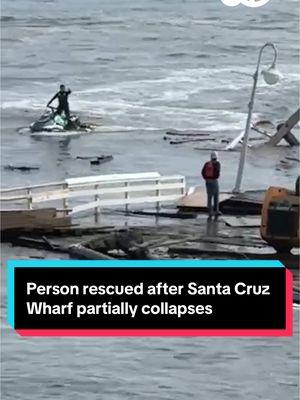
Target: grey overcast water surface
(143, 67)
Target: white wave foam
(21, 103)
(184, 98)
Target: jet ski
(50, 121)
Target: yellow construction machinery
(280, 218)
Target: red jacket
(216, 170)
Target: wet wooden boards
(28, 220)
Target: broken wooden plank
(189, 132)
(213, 149)
(293, 159)
(262, 132)
(23, 168)
(84, 253)
(197, 199)
(194, 251)
(186, 137)
(83, 231)
(164, 214)
(33, 219)
(235, 141)
(102, 157)
(101, 160)
(192, 140)
(247, 203)
(165, 241)
(241, 222)
(76, 250)
(36, 243)
(285, 128)
(233, 242)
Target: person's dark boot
(217, 215)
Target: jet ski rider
(63, 104)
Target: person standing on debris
(211, 173)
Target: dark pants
(212, 189)
(64, 108)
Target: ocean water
(146, 368)
(141, 67)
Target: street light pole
(239, 177)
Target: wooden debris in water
(189, 132)
(192, 140)
(293, 159)
(164, 214)
(212, 149)
(96, 160)
(189, 239)
(23, 168)
(84, 253)
(146, 242)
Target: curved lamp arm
(268, 44)
(238, 182)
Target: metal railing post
(126, 184)
(65, 200)
(97, 208)
(157, 194)
(29, 202)
(182, 191)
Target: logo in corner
(247, 3)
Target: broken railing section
(76, 195)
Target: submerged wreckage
(266, 133)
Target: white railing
(95, 192)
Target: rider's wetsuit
(63, 104)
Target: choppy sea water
(146, 368)
(143, 67)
